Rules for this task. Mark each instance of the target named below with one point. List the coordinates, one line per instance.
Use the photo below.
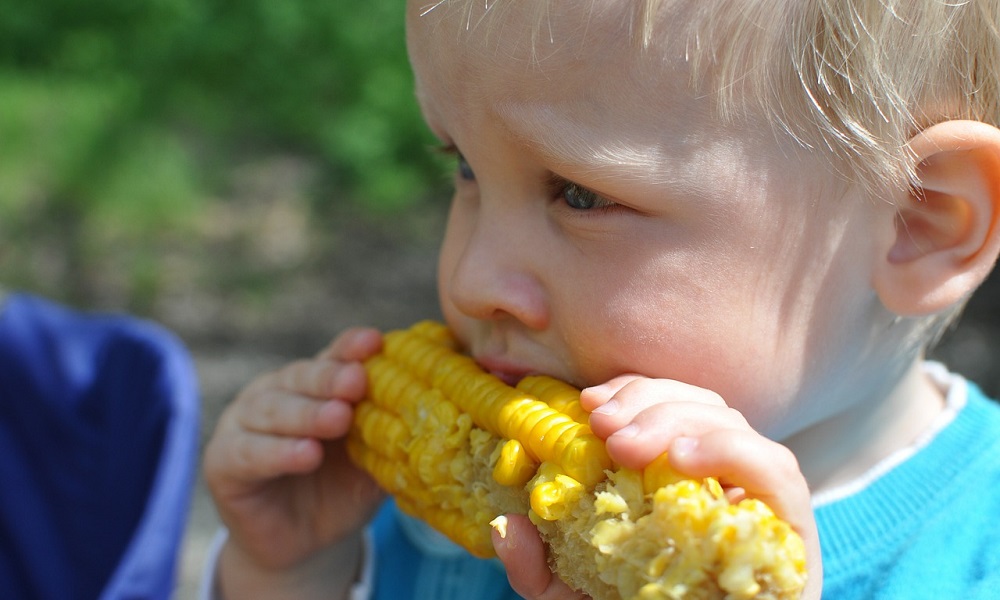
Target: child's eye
(464, 169)
(580, 198)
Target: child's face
(605, 221)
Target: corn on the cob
(457, 447)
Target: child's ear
(947, 232)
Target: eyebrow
(533, 127)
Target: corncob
(457, 447)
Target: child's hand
(641, 418)
(277, 467)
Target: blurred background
(254, 175)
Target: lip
(507, 371)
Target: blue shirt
(927, 528)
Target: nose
(490, 271)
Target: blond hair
(861, 77)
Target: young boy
(739, 223)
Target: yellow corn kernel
(552, 500)
(557, 394)
(456, 446)
(514, 467)
(658, 474)
(385, 429)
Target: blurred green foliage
(120, 118)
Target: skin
(720, 293)
(279, 475)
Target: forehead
(538, 38)
(529, 63)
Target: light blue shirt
(927, 525)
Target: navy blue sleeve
(98, 429)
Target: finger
(523, 554)
(638, 394)
(597, 395)
(253, 457)
(321, 379)
(650, 432)
(764, 469)
(355, 344)
(286, 414)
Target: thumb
(523, 553)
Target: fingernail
(683, 446)
(608, 408)
(329, 409)
(304, 446)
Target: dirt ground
(378, 272)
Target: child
(739, 223)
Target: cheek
(456, 234)
(651, 317)
(721, 325)
(713, 343)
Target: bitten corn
(457, 447)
